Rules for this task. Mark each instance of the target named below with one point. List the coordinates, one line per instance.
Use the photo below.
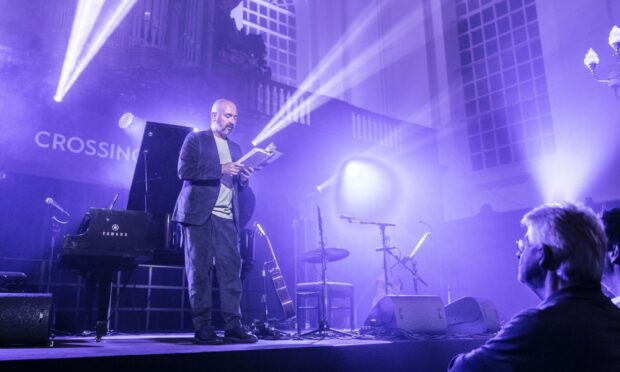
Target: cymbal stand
(323, 330)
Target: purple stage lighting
(358, 70)
(83, 22)
(93, 23)
(353, 169)
(366, 187)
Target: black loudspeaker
(469, 315)
(418, 314)
(24, 318)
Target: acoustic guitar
(273, 268)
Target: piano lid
(157, 160)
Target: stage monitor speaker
(418, 314)
(24, 318)
(469, 315)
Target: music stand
(413, 269)
(323, 329)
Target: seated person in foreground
(575, 327)
(611, 274)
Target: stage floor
(178, 352)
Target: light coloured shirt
(223, 205)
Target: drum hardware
(325, 255)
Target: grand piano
(110, 240)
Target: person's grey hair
(215, 108)
(576, 237)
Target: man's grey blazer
(200, 169)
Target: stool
(313, 291)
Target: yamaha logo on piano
(114, 232)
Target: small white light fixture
(591, 60)
(126, 120)
(614, 38)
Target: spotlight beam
(333, 55)
(86, 39)
(102, 35)
(83, 22)
(355, 72)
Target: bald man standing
(207, 207)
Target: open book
(258, 158)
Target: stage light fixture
(126, 120)
(325, 184)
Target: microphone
(50, 201)
(259, 228)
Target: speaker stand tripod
(323, 330)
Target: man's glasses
(521, 245)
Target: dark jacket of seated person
(575, 327)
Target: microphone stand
(56, 228)
(384, 244)
(146, 181)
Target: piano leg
(90, 286)
(103, 305)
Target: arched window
(275, 21)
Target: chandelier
(592, 61)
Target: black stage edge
(178, 353)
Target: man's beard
(532, 276)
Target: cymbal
(331, 255)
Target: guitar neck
(279, 283)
